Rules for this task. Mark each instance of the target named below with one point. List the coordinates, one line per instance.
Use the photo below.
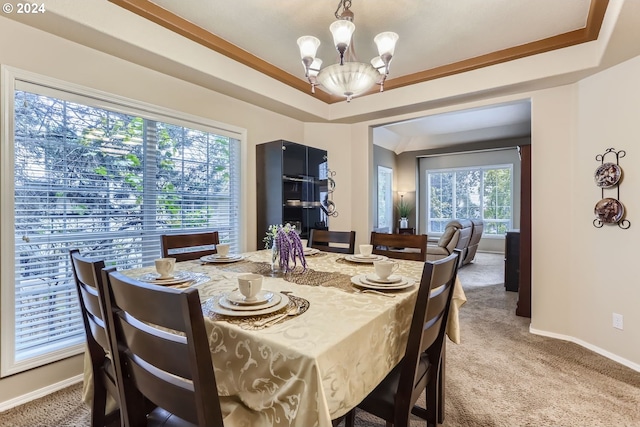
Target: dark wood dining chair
(422, 367)
(190, 246)
(161, 352)
(400, 246)
(322, 240)
(88, 276)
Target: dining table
(316, 354)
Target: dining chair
(400, 246)
(87, 276)
(422, 367)
(322, 240)
(161, 352)
(190, 246)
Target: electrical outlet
(617, 321)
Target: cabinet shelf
(299, 204)
(306, 180)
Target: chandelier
(348, 77)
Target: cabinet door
(294, 159)
(318, 191)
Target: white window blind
(108, 182)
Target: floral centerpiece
(286, 246)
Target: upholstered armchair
(457, 235)
(476, 235)
(446, 244)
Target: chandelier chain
(346, 4)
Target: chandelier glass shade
(347, 78)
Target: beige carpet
(500, 375)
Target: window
(473, 193)
(106, 178)
(385, 197)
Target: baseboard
(605, 353)
(37, 394)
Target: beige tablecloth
(317, 366)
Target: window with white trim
(483, 192)
(385, 197)
(105, 177)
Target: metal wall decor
(328, 206)
(609, 210)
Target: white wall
(582, 274)
(604, 260)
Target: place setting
(252, 307)
(365, 256)
(308, 251)
(222, 255)
(166, 275)
(383, 279)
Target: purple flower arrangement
(287, 247)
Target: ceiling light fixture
(348, 77)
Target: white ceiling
(505, 121)
(432, 33)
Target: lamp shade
(342, 30)
(379, 65)
(314, 69)
(386, 43)
(308, 46)
(348, 80)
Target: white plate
(361, 280)
(178, 277)
(214, 305)
(236, 297)
(366, 260)
(225, 303)
(311, 251)
(394, 278)
(218, 258)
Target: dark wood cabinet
(291, 184)
(512, 260)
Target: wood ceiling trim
(151, 11)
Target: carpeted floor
(486, 269)
(499, 376)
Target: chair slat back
(400, 246)
(190, 246)
(161, 350)
(87, 275)
(321, 239)
(88, 278)
(428, 325)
